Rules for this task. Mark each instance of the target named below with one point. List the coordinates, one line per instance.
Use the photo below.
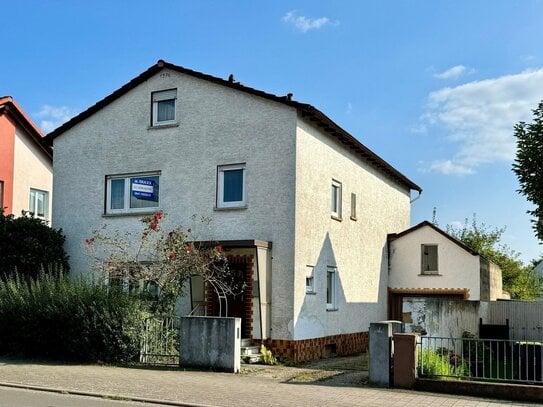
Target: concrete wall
(32, 169)
(447, 318)
(216, 126)
(210, 342)
(457, 268)
(356, 247)
(496, 283)
(442, 318)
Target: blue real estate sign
(144, 188)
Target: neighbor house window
(38, 203)
(132, 193)
(1, 195)
(164, 107)
(231, 186)
(331, 288)
(336, 199)
(429, 259)
(353, 206)
(309, 280)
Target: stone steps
(250, 353)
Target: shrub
(266, 356)
(59, 318)
(28, 246)
(440, 363)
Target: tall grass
(67, 319)
(439, 363)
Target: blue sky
(433, 87)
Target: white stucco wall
(32, 169)
(458, 269)
(217, 126)
(356, 248)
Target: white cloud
(449, 167)
(349, 108)
(50, 117)
(304, 24)
(478, 118)
(454, 72)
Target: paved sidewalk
(220, 389)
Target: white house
(303, 208)
(425, 261)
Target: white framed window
(38, 203)
(331, 288)
(164, 106)
(310, 280)
(132, 192)
(231, 191)
(429, 259)
(336, 199)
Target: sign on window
(144, 188)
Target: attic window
(164, 103)
(429, 259)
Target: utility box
(381, 352)
(211, 343)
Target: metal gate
(161, 341)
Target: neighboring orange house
(26, 164)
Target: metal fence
(161, 341)
(481, 359)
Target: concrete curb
(102, 395)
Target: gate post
(405, 360)
(381, 351)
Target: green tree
(521, 281)
(528, 165)
(28, 246)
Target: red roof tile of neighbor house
(305, 110)
(10, 107)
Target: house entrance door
(239, 304)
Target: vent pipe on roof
(289, 96)
(231, 78)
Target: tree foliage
(528, 165)
(521, 281)
(28, 245)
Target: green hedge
(66, 319)
(29, 246)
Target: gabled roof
(394, 236)
(9, 107)
(306, 111)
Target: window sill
(332, 309)
(436, 274)
(338, 218)
(311, 292)
(230, 208)
(162, 126)
(139, 214)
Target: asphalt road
(30, 398)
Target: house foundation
(316, 348)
